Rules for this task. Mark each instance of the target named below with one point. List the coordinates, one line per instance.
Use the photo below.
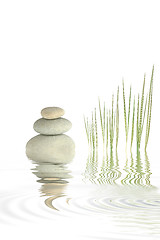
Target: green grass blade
(107, 129)
(86, 128)
(90, 136)
(104, 122)
(124, 106)
(114, 124)
(110, 127)
(133, 117)
(93, 132)
(129, 108)
(144, 112)
(96, 131)
(138, 125)
(117, 119)
(101, 118)
(113, 120)
(149, 109)
(141, 109)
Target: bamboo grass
(144, 111)
(110, 131)
(86, 128)
(141, 112)
(129, 108)
(117, 119)
(149, 110)
(93, 132)
(107, 127)
(102, 120)
(96, 131)
(133, 117)
(100, 112)
(109, 120)
(138, 147)
(113, 119)
(111, 126)
(90, 137)
(126, 118)
(112, 115)
(124, 106)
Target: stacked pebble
(51, 145)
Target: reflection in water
(91, 168)
(136, 171)
(53, 178)
(109, 171)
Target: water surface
(103, 200)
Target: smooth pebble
(58, 149)
(52, 127)
(52, 112)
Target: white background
(67, 53)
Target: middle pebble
(53, 126)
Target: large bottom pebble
(59, 149)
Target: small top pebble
(52, 112)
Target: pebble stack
(51, 145)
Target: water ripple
(125, 208)
(140, 212)
(19, 206)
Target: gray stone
(58, 149)
(52, 112)
(52, 127)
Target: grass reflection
(91, 168)
(109, 171)
(136, 172)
